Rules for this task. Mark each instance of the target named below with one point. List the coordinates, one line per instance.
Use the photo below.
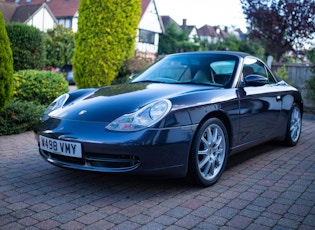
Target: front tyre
(209, 153)
(294, 126)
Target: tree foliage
(59, 46)
(6, 67)
(310, 83)
(281, 25)
(175, 40)
(233, 43)
(311, 57)
(106, 36)
(27, 44)
(132, 66)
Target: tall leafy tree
(175, 40)
(6, 67)
(233, 43)
(59, 46)
(27, 44)
(281, 25)
(106, 36)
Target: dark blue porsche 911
(181, 117)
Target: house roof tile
(188, 28)
(144, 6)
(207, 31)
(166, 20)
(22, 13)
(64, 8)
(60, 8)
(7, 10)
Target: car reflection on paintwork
(70, 77)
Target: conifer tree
(6, 67)
(105, 38)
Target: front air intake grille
(96, 162)
(112, 161)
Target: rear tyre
(209, 153)
(294, 126)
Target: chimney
(184, 22)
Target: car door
(260, 106)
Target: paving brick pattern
(267, 187)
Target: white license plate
(65, 148)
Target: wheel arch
(223, 117)
(192, 175)
(300, 104)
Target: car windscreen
(210, 69)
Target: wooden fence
(298, 74)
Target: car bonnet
(109, 103)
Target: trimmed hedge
(40, 87)
(20, 116)
(27, 44)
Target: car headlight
(56, 104)
(143, 118)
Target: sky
(202, 12)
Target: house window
(146, 36)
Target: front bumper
(149, 151)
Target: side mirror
(133, 76)
(255, 80)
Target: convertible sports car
(183, 116)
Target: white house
(191, 30)
(38, 15)
(42, 18)
(150, 26)
(64, 11)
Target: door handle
(278, 98)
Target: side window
(271, 78)
(254, 66)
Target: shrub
(20, 116)
(131, 66)
(27, 44)
(310, 84)
(40, 87)
(59, 46)
(105, 38)
(6, 67)
(282, 73)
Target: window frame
(146, 36)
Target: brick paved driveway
(266, 187)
